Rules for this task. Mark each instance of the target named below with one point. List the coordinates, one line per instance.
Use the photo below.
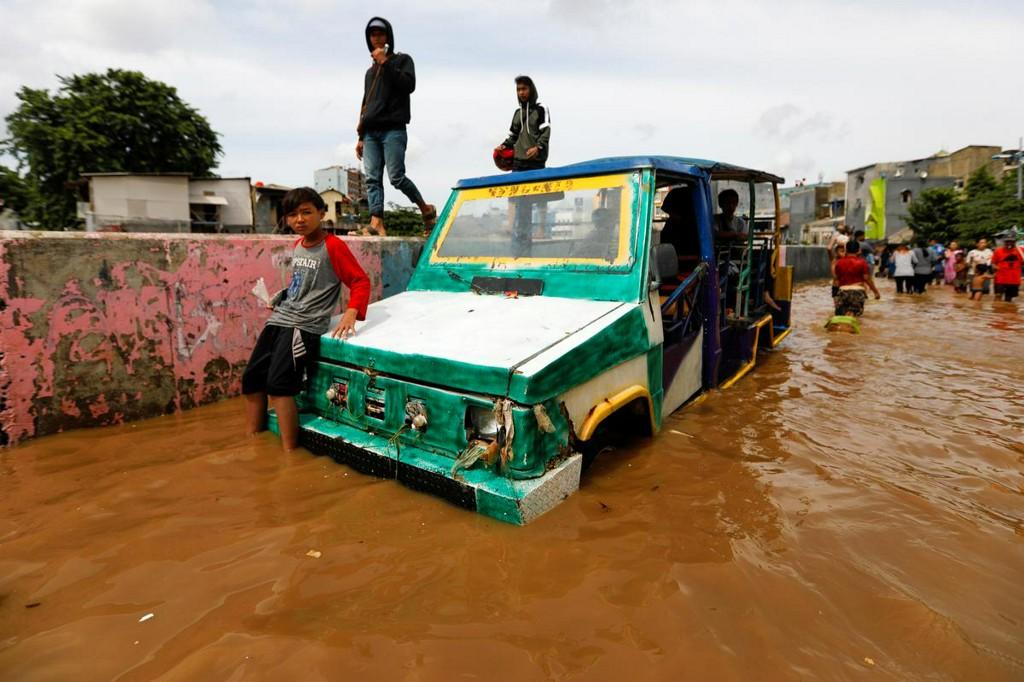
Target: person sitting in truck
(680, 229)
(727, 226)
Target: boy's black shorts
(280, 361)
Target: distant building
(221, 204)
(812, 203)
(879, 195)
(268, 215)
(347, 181)
(9, 219)
(339, 207)
(166, 202)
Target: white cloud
(795, 87)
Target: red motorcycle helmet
(503, 158)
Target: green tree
(13, 192)
(399, 221)
(934, 214)
(118, 121)
(990, 207)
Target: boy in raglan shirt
(290, 342)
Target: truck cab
(545, 303)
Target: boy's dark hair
(921, 243)
(528, 82)
(299, 196)
(728, 193)
(981, 269)
(859, 235)
(852, 248)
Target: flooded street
(853, 509)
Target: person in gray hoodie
(530, 131)
(923, 265)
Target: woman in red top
(1007, 263)
(852, 275)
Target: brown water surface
(854, 509)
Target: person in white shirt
(979, 255)
(905, 261)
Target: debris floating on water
(145, 618)
(313, 553)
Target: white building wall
(238, 192)
(333, 177)
(140, 196)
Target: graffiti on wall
(100, 329)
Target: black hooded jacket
(386, 87)
(531, 127)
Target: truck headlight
(481, 423)
(337, 394)
(416, 414)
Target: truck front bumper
(477, 489)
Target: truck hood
(466, 341)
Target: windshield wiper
(459, 278)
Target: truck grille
(375, 403)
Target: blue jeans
(386, 148)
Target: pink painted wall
(97, 329)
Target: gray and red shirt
(318, 271)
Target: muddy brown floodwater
(854, 509)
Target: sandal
(429, 217)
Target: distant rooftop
(942, 153)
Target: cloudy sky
(800, 88)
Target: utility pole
(1020, 162)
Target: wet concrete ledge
(809, 262)
(98, 329)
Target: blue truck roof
(618, 164)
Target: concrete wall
(809, 262)
(97, 329)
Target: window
(579, 219)
(906, 196)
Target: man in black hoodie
(382, 120)
(531, 128)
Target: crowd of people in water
(976, 272)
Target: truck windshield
(578, 220)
